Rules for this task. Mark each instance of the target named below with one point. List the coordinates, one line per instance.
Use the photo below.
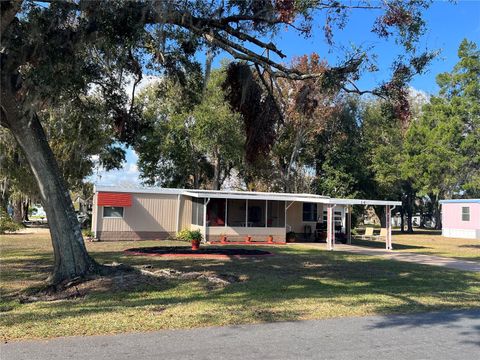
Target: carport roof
(250, 195)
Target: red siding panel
(114, 199)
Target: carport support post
(330, 227)
(348, 225)
(388, 218)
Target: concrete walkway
(438, 335)
(451, 263)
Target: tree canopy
(58, 52)
(190, 143)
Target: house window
(309, 212)
(337, 217)
(113, 212)
(465, 213)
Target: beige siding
(295, 217)
(185, 212)
(149, 212)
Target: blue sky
(447, 25)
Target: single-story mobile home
(461, 218)
(157, 213)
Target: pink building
(461, 218)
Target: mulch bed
(203, 253)
(262, 243)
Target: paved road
(442, 335)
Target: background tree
(306, 107)
(384, 134)
(217, 131)
(340, 154)
(442, 148)
(191, 141)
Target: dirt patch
(124, 279)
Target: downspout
(205, 219)
(286, 209)
(178, 212)
(95, 214)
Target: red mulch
(217, 242)
(203, 253)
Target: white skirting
(461, 233)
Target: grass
(431, 242)
(299, 283)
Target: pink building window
(465, 213)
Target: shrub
(87, 233)
(7, 224)
(189, 235)
(183, 235)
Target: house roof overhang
(250, 195)
(459, 201)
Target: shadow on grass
(381, 245)
(471, 246)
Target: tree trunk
(422, 220)
(293, 158)
(409, 213)
(25, 206)
(17, 211)
(380, 211)
(71, 259)
(402, 219)
(216, 172)
(437, 213)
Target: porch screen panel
(256, 213)
(276, 213)
(197, 211)
(236, 212)
(216, 212)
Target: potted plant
(270, 239)
(195, 236)
(223, 239)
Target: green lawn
(431, 242)
(298, 283)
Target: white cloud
(419, 96)
(128, 175)
(146, 81)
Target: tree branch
(9, 12)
